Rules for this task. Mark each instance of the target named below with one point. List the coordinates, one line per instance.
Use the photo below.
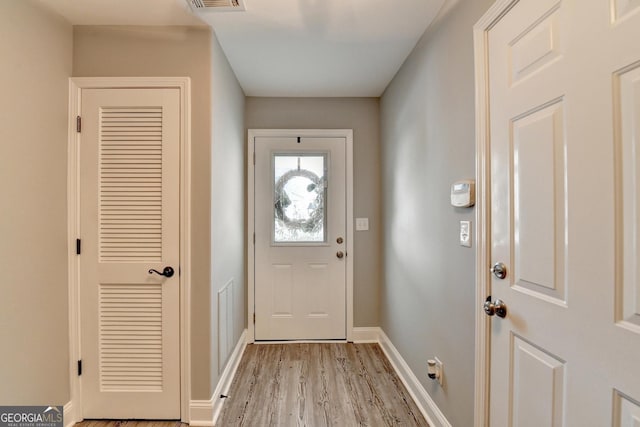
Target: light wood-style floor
(317, 385)
(311, 385)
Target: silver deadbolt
(499, 270)
(498, 308)
(340, 240)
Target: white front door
(129, 222)
(300, 240)
(564, 82)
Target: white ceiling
(124, 12)
(289, 47)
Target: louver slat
(131, 337)
(218, 4)
(131, 184)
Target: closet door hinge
(78, 246)
(78, 124)
(254, 318)
(79, 367)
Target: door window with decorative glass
(299, 197)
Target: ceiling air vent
(217, 5)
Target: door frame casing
(483, 207)
(76, 86)
(347, 134)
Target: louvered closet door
(130, 224)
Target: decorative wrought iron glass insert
(299, 198)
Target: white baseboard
(427, 406)
(366, 335)
(227, 376)
(201, 413)
(204, 413)
(68, 415)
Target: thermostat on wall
(463, 193)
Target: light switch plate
(362, 224)
(465, 233)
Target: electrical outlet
(435, 369)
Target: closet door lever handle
(167, 272)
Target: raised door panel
(538, 217)
(536, 47)
(537, 386)
(283, 290)
(626, 411)
(317, 290)
(628, 123)
(624, 8)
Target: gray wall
(361, 115)
(427, 122)
(34, 343)
(227, 196)
(129, 51)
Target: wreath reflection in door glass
(299, 198)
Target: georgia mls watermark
(31, 416)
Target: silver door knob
(499, 270)
(498, 308)
(340, 254)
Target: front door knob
(340, 254)
(499, 308)
(499, 270)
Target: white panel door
(129, 220)
(564, 98)
(300, 242)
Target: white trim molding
(226, 378)
(366, 335)
(304, 133)
(76, 85)
(201, 413)
(204, 413)
(483, 208)
(68, 417)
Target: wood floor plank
(325, 388)
(317, 385)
